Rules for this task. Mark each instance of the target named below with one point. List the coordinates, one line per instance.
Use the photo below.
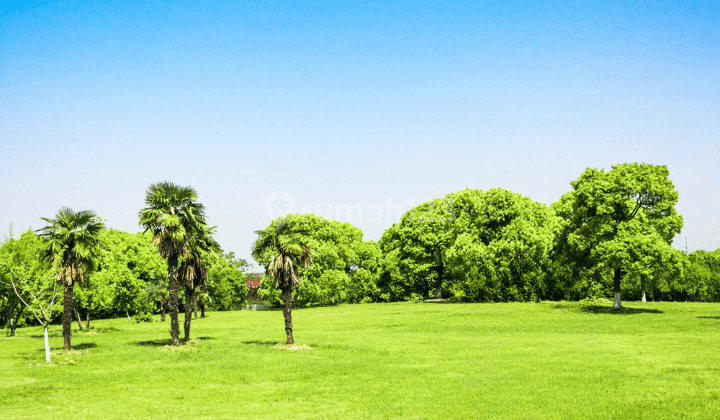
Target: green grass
(524, 361)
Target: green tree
(173, 215)
(610, 214)
(281, 249)
(23, 257)
(226, 288)
(70, 242)
(342, 269)
(470, 244)
(194, 269)
(501, 246)
(416, 251)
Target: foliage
(345, 268)
(23, 257)
(226, 288)
(620, 222)
(472, 245)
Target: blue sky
(338, 105)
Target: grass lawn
(405, 360)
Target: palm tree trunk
(162, 311)
(617, 278)
(67, 315)
(173, 289)
(202, 310)
(287, 312)
(189, 304)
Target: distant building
(253, 285)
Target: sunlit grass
(549, 360)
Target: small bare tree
(42, 314)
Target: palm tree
(173, 215)
(194, 270)
(70, 241)
(281, 248)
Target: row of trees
(610, 235)
(119, 272)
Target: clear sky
(356, 110)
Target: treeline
(610, 236)
(129, 279)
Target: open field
(405, 360)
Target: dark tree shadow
(83, 346)
(153, 343)
(50, 334)
(261, 342)
(597, 309)
(102, 329)
(709, 317)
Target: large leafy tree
(194, 269)
(345, 268)
(470, 244)
(281, 248)
(501, 246)
(612, 219)
(416, 251)
(173, 215)
(70, 241)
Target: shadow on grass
(166, 341)
(709, 317)
(153, 343)
(597, 309)
(83, 346)
(50, 334)
(261, 342)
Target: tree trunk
(47, 343)
(14, 323)
(617, 278)
(67, 315)
(287, 312)
(173, 289)
(77, 317)
(87, 319)
(202, 311)
(438, 285)
(127, 314)
(642, 294)
(189, 303)
(162, 311)
(195, 309)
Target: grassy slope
(550, 360)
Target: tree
(471, 245)
(22, 255)
(416, 249)
(70, 242)
(43, 299)
(225, 288)
(194, 270)
(172, 215)
(281, 249)
(610, 214)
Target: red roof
(253, 283)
